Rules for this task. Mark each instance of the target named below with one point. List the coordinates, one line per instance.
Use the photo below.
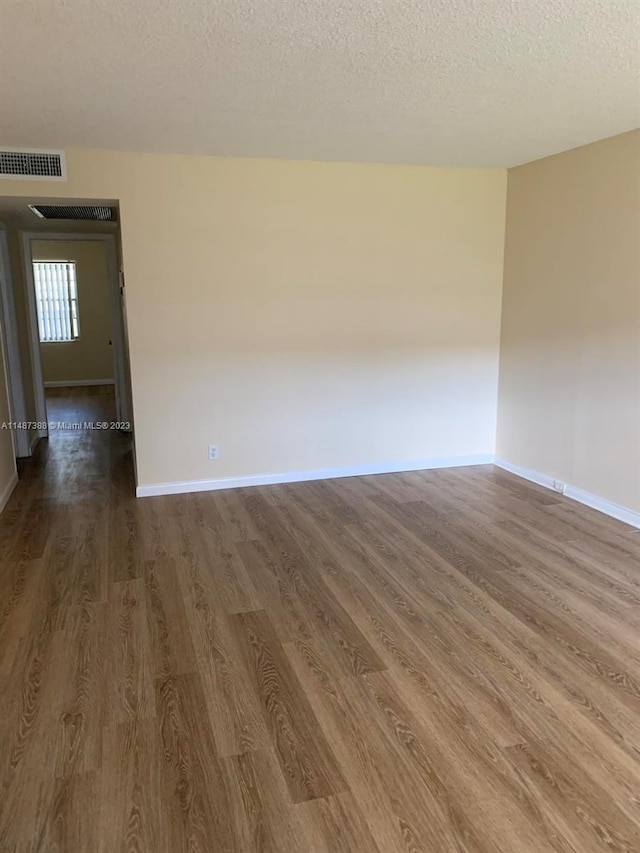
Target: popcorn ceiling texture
(443, 82)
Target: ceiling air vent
(32, 164)
(93, 212)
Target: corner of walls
(501, 310)
(609, 508)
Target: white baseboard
(622, 513)
(526, 473)
(184, 486)
(73, 383)
(8, 490)
(602, 505)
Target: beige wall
(569, 402)
(90, 357)
(302, 315)
(309, 315)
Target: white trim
(12, 361)
(34, 335)
(602, 505)
(622, 513)
(117, 332)
(73, 383)
(8, 490)
(526, 473)
(33, 440)
(181, 487)
(55, 151)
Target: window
(56, 300)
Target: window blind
(56, 300)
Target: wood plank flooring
(438, 661)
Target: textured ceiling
(453, 82)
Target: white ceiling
(444, 82)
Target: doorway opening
(63, 317)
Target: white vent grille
(34, 165)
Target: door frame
(11, 346)
(117, 325)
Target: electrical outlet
(559, 487)
(213, 451)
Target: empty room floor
(435, 661)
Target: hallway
(81, 459)
(369, 665)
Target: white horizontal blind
(56, 300)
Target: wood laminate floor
(438, 661)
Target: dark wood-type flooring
(437, 661)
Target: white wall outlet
(213, 451)
(559, 487)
